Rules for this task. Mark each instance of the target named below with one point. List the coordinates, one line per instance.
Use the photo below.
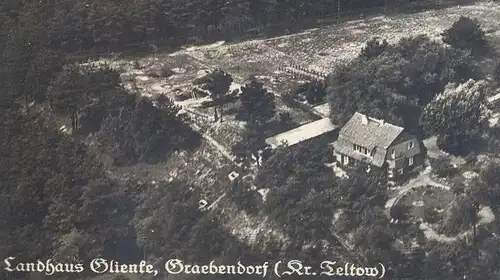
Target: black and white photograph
(249, 139)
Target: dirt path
(433, 151)
(486, 217)
(214, 204)
(221, 149)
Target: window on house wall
(400, 171)
(410, 161)
(366, 151)
(354, 147)
(393, 154)
(410, 145)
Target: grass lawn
(425, 197)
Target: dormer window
(410, 145)
(361, 150)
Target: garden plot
(185, 69)
(145, 75)
(241, 60)
(278, 82)
(426, 203)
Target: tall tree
(164, 217)
(466, 33)
(496, 72)
(285, 173)
(258, 105)
(140, 131)
(217, 83)
(396, 84)
(252, 146)
(68, 93)
(316, 92)
(458, 116)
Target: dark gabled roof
(369, 132)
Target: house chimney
(364, 120)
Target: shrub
(496, 73)
(153, 73)
(282, 123)
(316, 92)
(471, 159)
(163, 72)
(246, 199)
(313, 92)
(166, 72)
(137, 65)
(458, 143)
(458, 186)
(431, 216)
(399, 212)
(457, 218)
(466, 33)
(443, 168)
(374, 48)
(493, 146)
(420, 238)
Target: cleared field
(321, 49)
(315, 51)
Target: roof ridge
(379, 133)
(380, 121)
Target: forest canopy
(396, 81)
